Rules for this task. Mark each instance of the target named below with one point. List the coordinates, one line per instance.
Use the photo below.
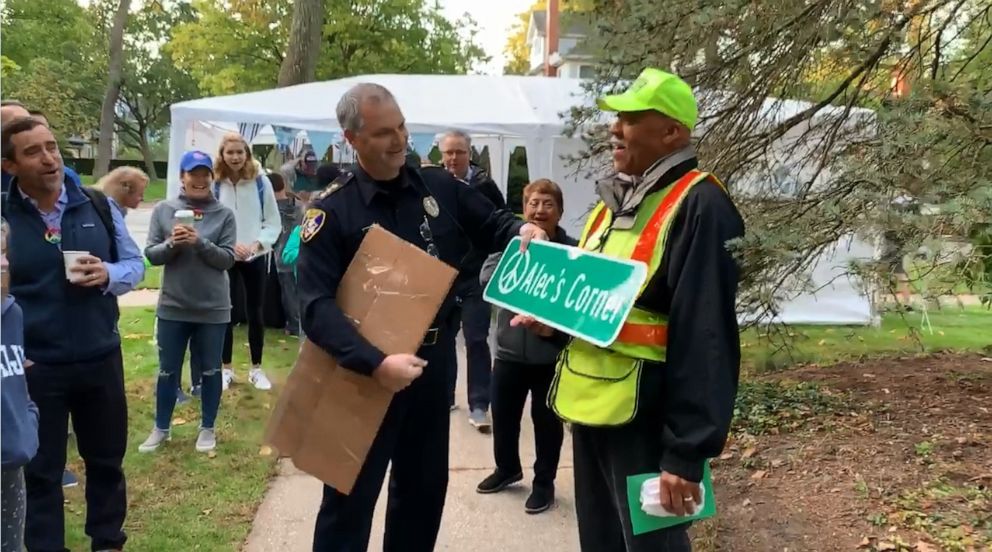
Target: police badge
(431, 206)
(312, 223)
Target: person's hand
(89, 271)
(678, 496)
(184, 235)
(532, 324)
(242, 251)
(397, 372)
(530, 232)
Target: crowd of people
(659, 399)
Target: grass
(180, 499)
(155, 191)
(153, 278)
(967, 329)
(183, 500)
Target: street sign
(584, 294)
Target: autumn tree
(807, 174)
(239, 45)
(300, 63)
(105, 148)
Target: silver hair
(459, 134)
(348, 110)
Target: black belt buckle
(431, 337)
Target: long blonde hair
(248, 172)
(117, 183)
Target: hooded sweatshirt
(256, 223)
(194, 282)
(19, 416)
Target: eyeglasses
(425, 232)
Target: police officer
(430, 209)
(661, 397)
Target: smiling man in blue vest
(70, 329)
(660, 398)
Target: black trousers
(476, 318)
(603, 458)
(252, 274)
(93, 393)
(414, 437)
(512, 382)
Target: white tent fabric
(501, 112)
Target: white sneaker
(258, 379)
(156, 438)
(227, 378)
(206, 441)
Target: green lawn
(153, 278)
(154, 192)
(183, 500)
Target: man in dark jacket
(525, 363)
(456, 154)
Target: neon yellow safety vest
(596, 386)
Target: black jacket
(468, 277)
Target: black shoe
(540, 500)
(497, 482)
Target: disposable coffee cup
(184, 216)
(71, 259)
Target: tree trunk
(300, 64)
(105, 148)
(146, 154)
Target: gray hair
(348, 110)
(459, 134)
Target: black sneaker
(540, 500)
(497, 482)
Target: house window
(587, 71)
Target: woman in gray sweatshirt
(193, 237)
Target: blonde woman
(242, 187)
(125, 186)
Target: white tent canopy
(501, 112)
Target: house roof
(569, 25)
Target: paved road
(493, 523)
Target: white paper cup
(184, 216)
(71, 259)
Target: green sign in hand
(584, 294)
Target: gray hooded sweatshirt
(194, 282)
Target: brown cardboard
(327, 416)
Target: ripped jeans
(206, 343)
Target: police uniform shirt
(456, 218)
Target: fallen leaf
(749, 452)
(747, 502)
(865, 543)
(940, 332)
(136, 336)
(822, 342)
(961, 440)
(760, 474)
(726, 456)
(869, 376)
(212, 454)
(266, 450)
(778, 463)
(986, 359)
(208, 511)
(885, 545)
(886, 390)
(922, 546)
(179, 422)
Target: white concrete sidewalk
(480, 523)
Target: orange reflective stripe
(644, 334)
(600, 217)
(645, 247)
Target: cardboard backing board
(327, 416)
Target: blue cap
(194, 159)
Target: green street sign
(584, 294)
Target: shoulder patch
(313, 221)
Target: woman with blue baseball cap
(193, 237)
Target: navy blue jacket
(466, 219)
(64, 323)
(19, 416)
